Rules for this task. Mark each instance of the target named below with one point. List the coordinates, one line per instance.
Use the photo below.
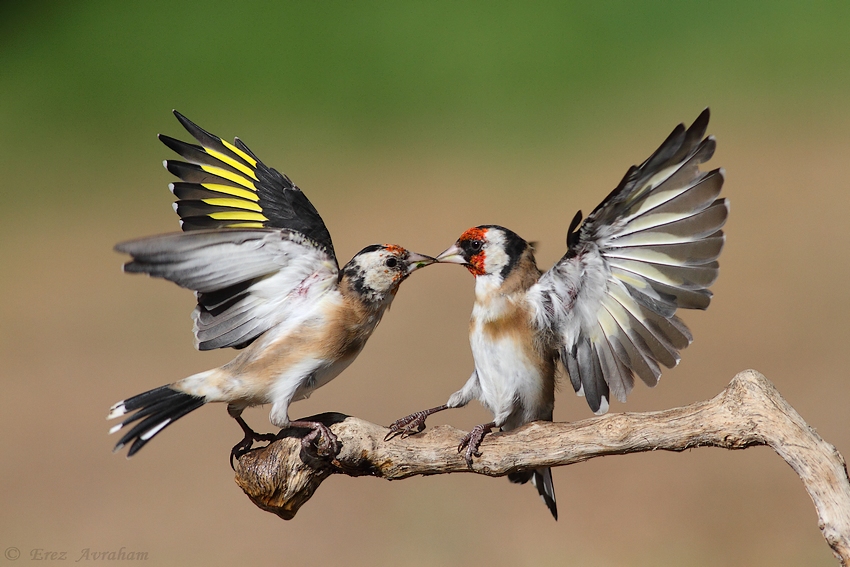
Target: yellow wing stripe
(223, 173)
(228, 190)
(232, 163)
(246, 225)
(240, 153)
(235, 203)
(238, 216)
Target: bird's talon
(238, 450)
(267, 437)
(248, 441)
(472, 441)
(392, 433)
(407, 426)
(325, 441)
(308, 439)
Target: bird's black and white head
(375, 273)
(489, 250)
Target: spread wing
(648, 249)
(225, 185)
(246, 280)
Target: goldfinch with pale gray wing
(262, 265)
(606, 311)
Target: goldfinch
(262, 265)
(605, 311)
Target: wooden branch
(281, 477)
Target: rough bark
(281, 477)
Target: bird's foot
(472, 441)
(328, 445)
(412, 424)
(248, 441)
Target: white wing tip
(603, 406)
(117, 410)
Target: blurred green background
(409, 123)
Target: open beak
(416, 261)
(453, 255)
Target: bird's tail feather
(157, 408)
(542, 481)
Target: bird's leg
(472, 441)
(248, 440)
(328, 446)
(413, 423)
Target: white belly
(511, 384)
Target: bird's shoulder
(522, 277)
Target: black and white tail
(542, 481)
(159, 407)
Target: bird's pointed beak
(416, 261)
(453, 255)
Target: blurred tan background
(410, 124)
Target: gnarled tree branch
(281, 477)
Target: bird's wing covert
(245, 280)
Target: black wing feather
(226, 186)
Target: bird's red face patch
(476, 233)
(476, 258)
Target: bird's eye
(476, 245)
(391, 263)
